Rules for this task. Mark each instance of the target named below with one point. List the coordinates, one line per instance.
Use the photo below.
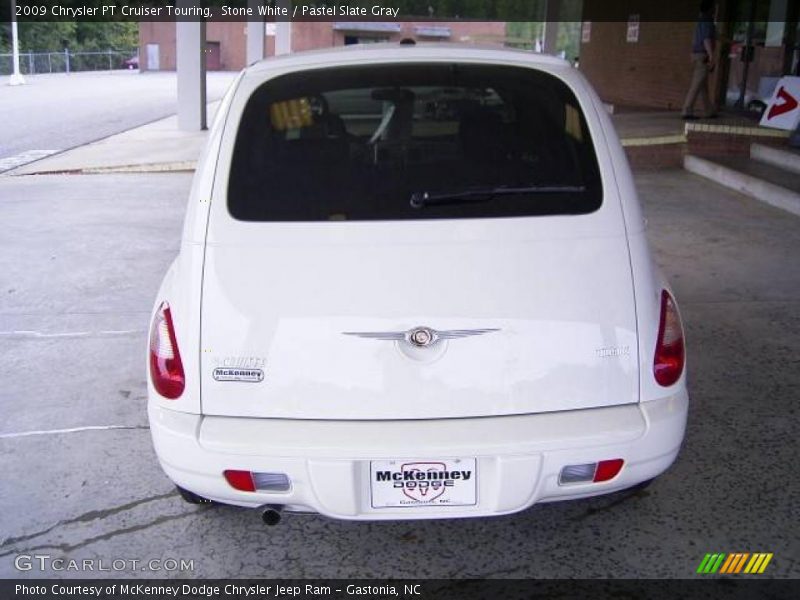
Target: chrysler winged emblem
(419, 337)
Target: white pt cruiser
(413, 283)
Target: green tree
(106, 36)
(42, 37)
(81, 35)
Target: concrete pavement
(53, 113)
(152, 148)
(81, 259)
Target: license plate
(415, 483)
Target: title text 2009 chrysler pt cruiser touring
(413, 283)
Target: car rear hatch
(319, 268)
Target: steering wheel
(318, 105)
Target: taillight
(166, 369)
(670, 354)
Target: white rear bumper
(518, 457)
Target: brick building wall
(310, 35)
(654, 72)
(231, 37)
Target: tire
(191, 497)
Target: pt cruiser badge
(420, 337)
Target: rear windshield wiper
(424, 198)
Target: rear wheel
(191, 497)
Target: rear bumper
(519, 458)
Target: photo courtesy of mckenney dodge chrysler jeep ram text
(413, 283)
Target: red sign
(788, 103)
(783, 110)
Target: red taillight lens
(166, 369)
(240, 480)
(670, 354)
(607, 469)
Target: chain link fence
(66, 61)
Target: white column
(255, 33)
(16, 77)
(190, 63)
(551, 16)
(776, 26)
(283, 31)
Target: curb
(186, 166)
(748, 185)
(659, 140)
(788, 161)
(167, 167)
(745, 130)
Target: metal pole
(66, 60)
(50, 62)
(31, 69)
(16, 77)
(109, 60)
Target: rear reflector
(608, 469)
(247, 481)
(590, 472)
(166, 368)
(670, 355)
(240, 480)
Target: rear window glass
(421, 141)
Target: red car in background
(132, 62)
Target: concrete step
(763, 182)
(786, 159)
(767, 172)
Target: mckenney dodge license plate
(410, 483)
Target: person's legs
(704, 94)
(698, 85)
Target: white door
(153, 62)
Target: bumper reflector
(608, 469)
(594, 472)
(240, 480)
(247, 481)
